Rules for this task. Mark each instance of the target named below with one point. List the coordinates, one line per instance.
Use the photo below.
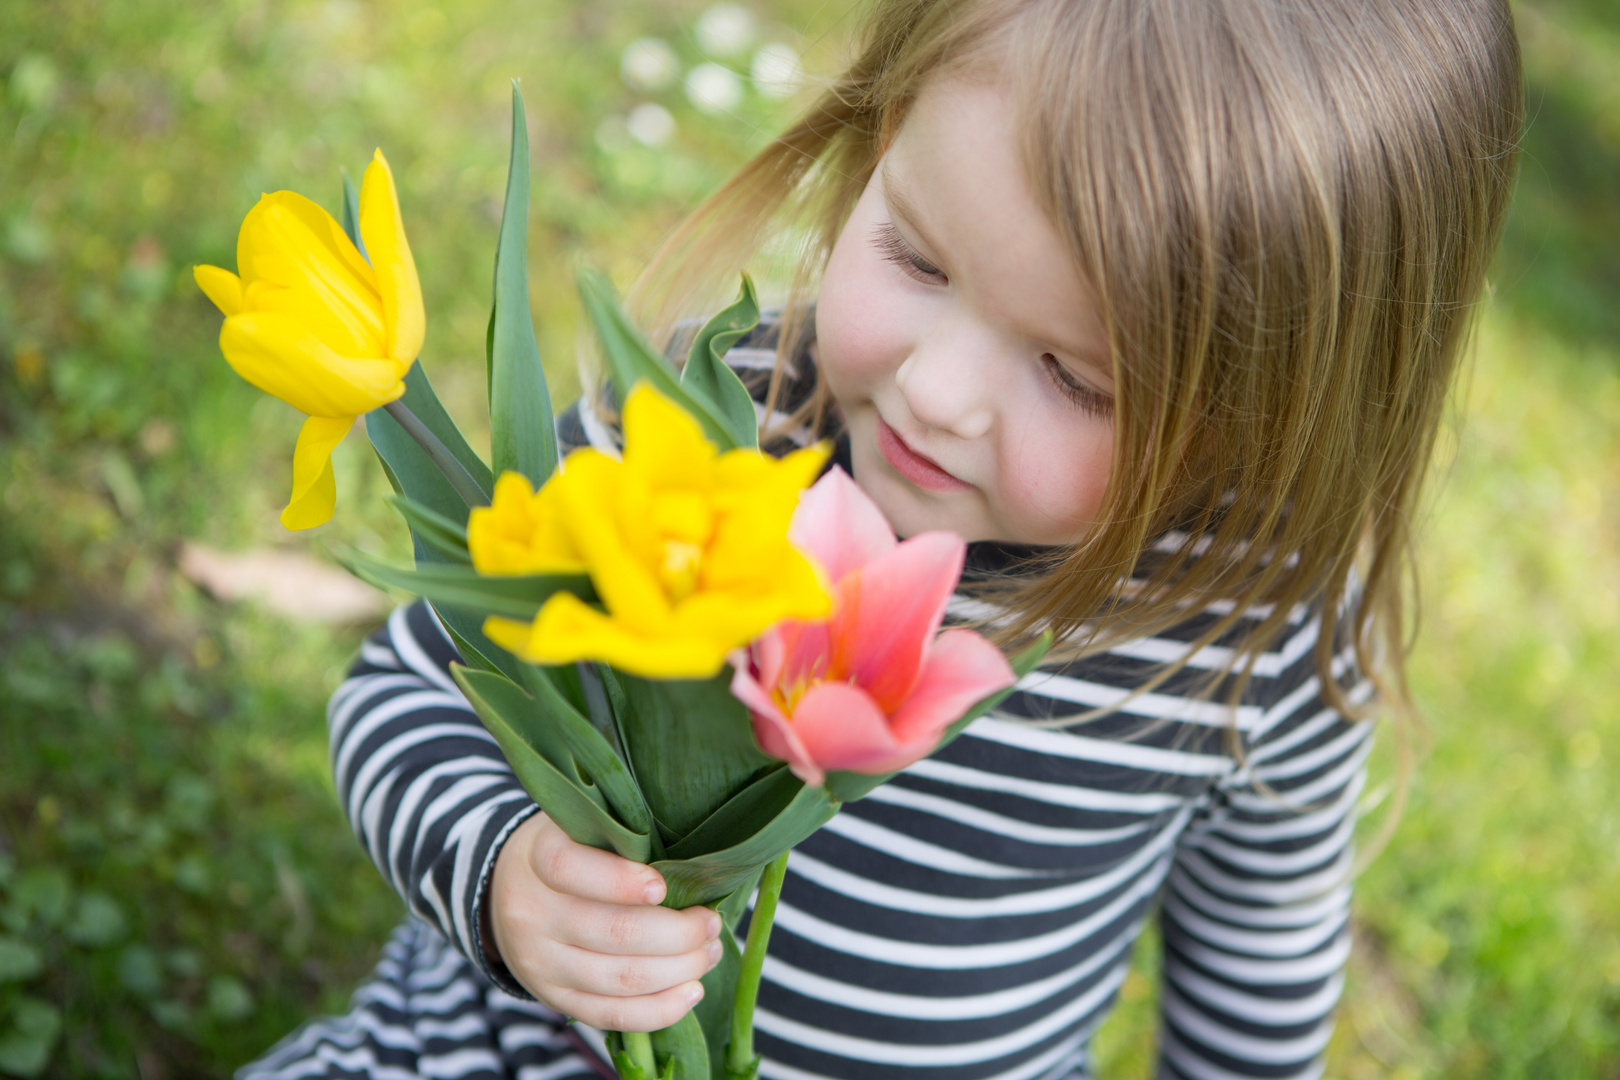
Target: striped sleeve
(1256, 909)
(423, 785)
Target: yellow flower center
(679, 571)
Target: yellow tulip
(311, 322)
(687, 548)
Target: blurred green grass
(177, 887)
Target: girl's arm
(423, 785)
(1256, 913)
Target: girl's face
(961, 344)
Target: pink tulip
(874, 687)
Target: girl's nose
(945, 386)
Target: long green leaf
(447, 537)
(457, 586)
(579, 739)
(707, 372)
(522, 436)
(739, 817)
(418, 477)
(706, 878)
(849, 786)
(573, 803)
(631, 360)
(691, 747)
(351, 216)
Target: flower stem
(638, 1045)
(740, 1051)
(452, 468)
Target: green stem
(638, 1045)
(452, 468)
(740, 1051)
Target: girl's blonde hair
(1286, 209)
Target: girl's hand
(581, 929)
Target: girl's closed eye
(1077, 391)
(1088, 398)
(896, 250)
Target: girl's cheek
(1054, 478)
(862, 315)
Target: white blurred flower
(776, 70)
(713, 89)
(650, 124)
(648, 64)
(725, 30)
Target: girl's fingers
(622, 930)
(632, 976)
(578, 870)
(647, 1013)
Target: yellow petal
(281, 357)
(222, 287)
(567, 629)
(663, 443)
(588, 488)
(521, 532)
(314, 489)
(314, 272)
(383, 230)
(794, 589)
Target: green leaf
(691, 747)
(559, 724)
(445, 536)
(409, 464)
(523, 437)
(573, 802)
(631, 360)
(97, 921)
(449, 584)
(706, 878)
(351, 215)
(19, 961)
(26, 1049)
(740, 816)
(707, 373)
(849, 786)
(682, 1050)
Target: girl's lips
(912, 465)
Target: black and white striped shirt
(971, 919)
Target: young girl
(1156, 303)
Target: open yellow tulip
(687, 547)
(312, 322)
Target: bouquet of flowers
(688, 654)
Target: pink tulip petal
(960, 669)
(842, 728)
(772, 730)
(887, 613)
(768, 654)
(807, 651)
(840, 525)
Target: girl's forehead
(955, 182)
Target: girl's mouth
(913, 466)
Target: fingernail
(715, 949)
(714, 925)
(654, 891)
(694, 993)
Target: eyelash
(1088, 399)
(895, 249)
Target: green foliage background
(177, 887)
